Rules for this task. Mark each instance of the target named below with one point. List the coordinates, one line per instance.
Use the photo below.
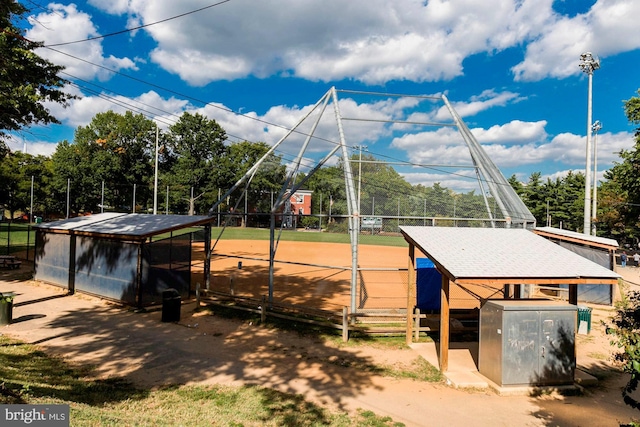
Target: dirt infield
(318, 275)
(313, 274)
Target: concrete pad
(463, 371)
(584, 379)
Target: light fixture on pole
(594, 211)
(588, 64)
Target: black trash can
(171, 302)
(6, 308)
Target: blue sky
(509, 67)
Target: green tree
(327, 185)
(26, 79)
(625, 328)
(116, 149)
(239, 158)
(194, 145)
(17, 170)
(622, 185)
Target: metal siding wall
(107, 268)
(52, 258)
(596, 294)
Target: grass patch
(598, 356)
(420, 370)
(30, 376)
(16, 236)
(239, 233)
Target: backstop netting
(339, 245)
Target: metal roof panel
(118, 224)
(500, 253)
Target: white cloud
(33, 147)
(486, 100)
(514, 144)
(81, 111)
(373, 41)
(66, 23)
(605, 30)
(460, 181)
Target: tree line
(111, 161)
(110, 165)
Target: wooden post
(411, 290)
(197, 296)
(263, 310)
(417, 324)
(506, 291)
(573, 294)
(345, 324)
(444, 325)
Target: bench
(9, 261)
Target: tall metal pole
(68, 191)
(588, 64)
(594, 210)
(31, 209)
(102, 199)
(155, 180)
(360, 147)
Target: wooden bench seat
(8, 261)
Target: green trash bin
(584, 319)
(6, 307)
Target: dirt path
(210, 349)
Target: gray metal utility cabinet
(527, 342)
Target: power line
(127, 30)
(228, 110)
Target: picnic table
(9, 261)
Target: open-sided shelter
(600, 250)
(496, 260)
(129, 258)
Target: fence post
(345, 324)
(417, 324)
(263, 310)
(197, 296)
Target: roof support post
(207, 256)
(444, 324)
(411, 287)
(573, 294)
(71, 280)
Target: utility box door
(527, 342)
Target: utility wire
(228, 110)
(127, 30)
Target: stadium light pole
(594, 210)
(588, 64)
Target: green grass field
(237, 233)
(16, 237)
